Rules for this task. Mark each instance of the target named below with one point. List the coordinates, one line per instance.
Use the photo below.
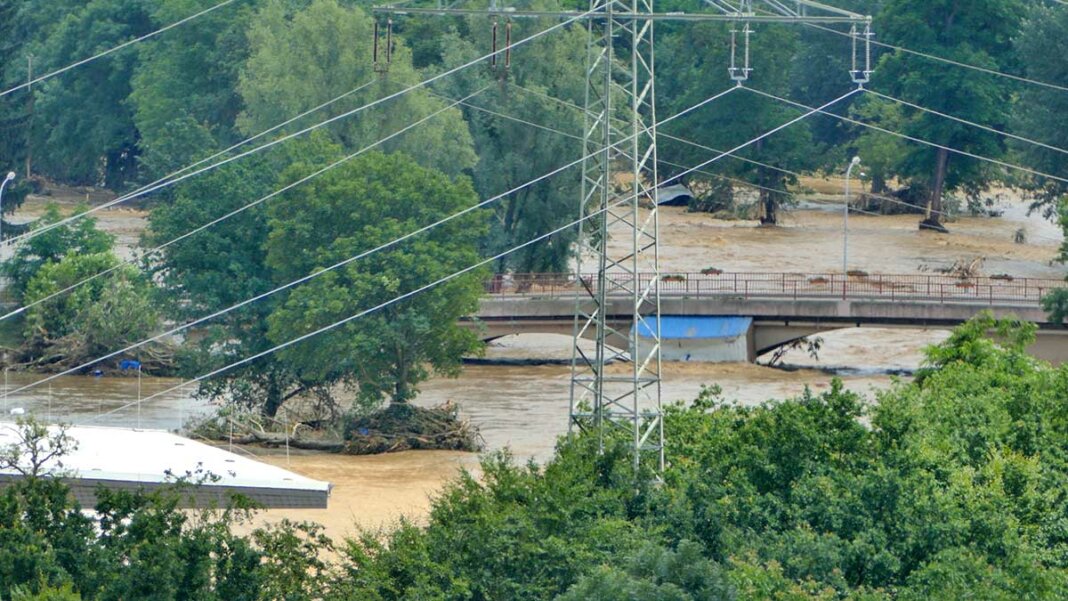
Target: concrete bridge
(784, 306)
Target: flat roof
(131, 458)
(678, 327)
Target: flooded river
(525, 408)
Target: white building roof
(153, 457)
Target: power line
(738, 181)
(363, 313)
(269, 130)
(293, 185)
(744, 182)
(911, 138)
(339, 264)
(967, 122)
(447, 278)
(743, 159)
(287, 137)
(242, 208)
(721, 176)
(125, 44)
(664, 135)
(811, 111)
(947, 61)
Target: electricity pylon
(619, 304)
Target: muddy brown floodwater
(525, 409)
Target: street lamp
(845, 220)
(10, 176)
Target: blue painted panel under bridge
(697, 327)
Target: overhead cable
(125, 44)
(388, 97)
(967, 122)
(527, 122)
(911, 138)
(342, 263)
(242, 208)
(952, 62)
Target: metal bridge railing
(990, 290)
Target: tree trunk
(878, 183)
(401, 390)
(768, 202)
(933, 220)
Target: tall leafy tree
(184, 94)
(300, 59)
(225, 264)
(368, 202)
(693, 64)
(525, 125)
(83, 128)
(24, 27)
(1042, 113)
(79, 237)
(881, 153)
(977, 32)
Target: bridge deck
(991, 290)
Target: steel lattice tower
(619, 303)
(623, 298)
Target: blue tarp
(703, 327)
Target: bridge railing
(857, 286)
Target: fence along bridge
(783, 306)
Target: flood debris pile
(403, 427)
(397, 427)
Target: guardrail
(858, 286)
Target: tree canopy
(366, 203)
(952, 485)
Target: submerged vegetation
(950, 486)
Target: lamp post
(845, 219)
(10, 176)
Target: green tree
(513, 129)
(881, 153)
(689, 57)
(978, 33)
(299, 59)
(84, 130)
(367, 202)
(79, 237)
(24, 27)
(184, 95)
(657, 574)
(107, 313)
(225, 264)
(1042, 113)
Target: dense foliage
(950, 486)
(116, 307)
(244, 69)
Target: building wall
(706, 350)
